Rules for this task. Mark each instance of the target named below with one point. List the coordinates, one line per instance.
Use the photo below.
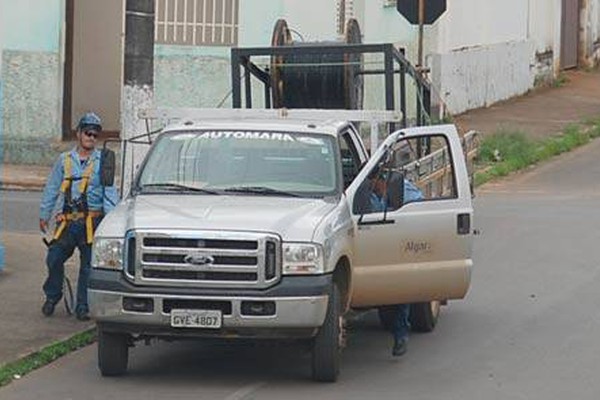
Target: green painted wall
(186, 76)
(30, 72)
(31, 25)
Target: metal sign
(410, 10)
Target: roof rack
(167, 116)
(194, 114)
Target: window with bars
(197, 22)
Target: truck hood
(294, 219)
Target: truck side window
(426, 162)
(350, 161)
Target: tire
(326, 351)
(424, 316)
(113, 352)
(387, 314)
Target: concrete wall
(590, 42)
(31, 77)
(474, 77)
(486, 51)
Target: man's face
(87, 137)
(379, 186)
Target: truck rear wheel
(326, 351)
(113, 352)
(424, 316)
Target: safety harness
(74, 210)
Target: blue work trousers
(401, 322)
(74, 236)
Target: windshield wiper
(178, 187)
(260, 190)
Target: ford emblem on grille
(198, 259)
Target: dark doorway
(569, 49)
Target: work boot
(82, 314)
(48, 307)
(400, 347)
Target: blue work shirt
(411, 193)
(97, 201)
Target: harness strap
(64, 219)
(85, 178)
(65, 188)
(68, 174)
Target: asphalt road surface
(20, 211)
(528, 328)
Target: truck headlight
(107, 253)
(302, 259)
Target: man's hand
(43, 225)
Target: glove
(43, 225)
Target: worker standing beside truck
(74, 185)
(378, 203)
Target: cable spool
(327, 81)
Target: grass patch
(25, 365)
(505, 151)
(560, 81)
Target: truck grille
(203, 259)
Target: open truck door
(417, 246)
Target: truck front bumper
(298, 305)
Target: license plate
(211, 319)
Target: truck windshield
(249, 162)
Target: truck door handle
(463, 224)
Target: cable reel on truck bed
(316, 80)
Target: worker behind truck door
(378, 203)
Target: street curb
(18, 367)
(21, 186)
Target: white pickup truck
(253, 228)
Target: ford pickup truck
(252, 228)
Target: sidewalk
(23, 329)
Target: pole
(421, 31)
(138, 80)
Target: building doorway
(569, 49)
(93, 63)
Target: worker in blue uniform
(74, 187)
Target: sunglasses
(91, 134)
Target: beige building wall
(97, 60)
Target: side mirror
(395, 190)
(107, 167)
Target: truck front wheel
(113, 352)
(424, 316)
(326, 350)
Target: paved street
(527, 329)
(20, 211)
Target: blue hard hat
(89, 120)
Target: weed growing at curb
(560, 81)
(27, 364)
(505, 152)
